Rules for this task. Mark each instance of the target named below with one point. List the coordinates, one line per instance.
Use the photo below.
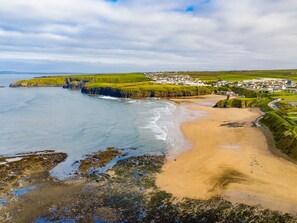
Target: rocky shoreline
(21, 170)
(125, 192)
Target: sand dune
(230, 158)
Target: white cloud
(102, 36)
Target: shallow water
(34, 119)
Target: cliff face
(134, 85)
(237, 103)
(245, 103)
(285, 134)
(120, 90)
(151, 91)
(103, 91)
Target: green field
(288, 112)
(287, 97)
(134, 85)
(242, 75)
(208, 76)
(100, 78)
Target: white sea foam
(109, 98)
(10, 160)
(130, 101)
(165, 123)
(159, 131)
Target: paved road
(272, 104)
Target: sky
(99, 36)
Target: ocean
(34, 119)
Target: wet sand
(229, 158)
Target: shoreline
(126, 191)
(103, 196)
(237, 163)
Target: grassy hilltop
(211, 76)
(59, 81)
(134, 85)
(208, 76)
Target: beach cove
(229, 157)
(84, 178)
(34, 119)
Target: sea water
(33, 119)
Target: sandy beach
(229, 158)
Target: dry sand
(233, 162)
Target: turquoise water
(64, 120)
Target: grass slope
(242, 75)
(134, 85)
(61, 80)
(144, 89)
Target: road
(272, 104)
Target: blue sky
(147, 35)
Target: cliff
(116, 85)
(236, 103)
(285, 133)
(245, 103)
(40, 82)
(144, 89)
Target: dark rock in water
(98, 159)
(13, 168)
(76, 162)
